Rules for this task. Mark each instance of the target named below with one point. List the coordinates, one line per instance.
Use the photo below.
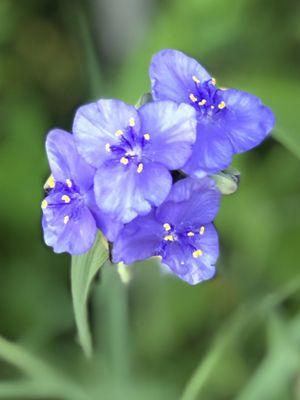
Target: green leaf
(83, 271)
(276, 372)
(233, 329)
(42, 380)
(227, 181)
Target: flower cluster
(116, 171)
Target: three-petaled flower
(180, 231)
(133, 151)
(70, 215)
(229, 121)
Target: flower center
(206, 98)
(187, 237)
(62, 194)
(130, 146)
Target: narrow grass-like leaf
(279, 367)
(42, 380)
(230, 332)
(83, 271)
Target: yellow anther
(197, 253)
(44, 204)
(147, 136)
(50, 183)
(107, 147)
(167, 227)
(124, 161)
(190, 234)
(202, 229)
(69, 183)
(66, 198)
(202, 102)
(140, 168)
(169, 238)
(222, 105)
(131, 122)
(195, 79)
(193, 98)
(66, 219)
(213, 81)
(119, 132)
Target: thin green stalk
(113, 304)
(42, 377)
(231, 330)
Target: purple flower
(180, 231)
(229, 121)
(70, 215)
(133, 151)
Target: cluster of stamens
(201, 101)
(50, 184)
(171, 237)
(129, 154)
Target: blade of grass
(41, 375)
(231, 330)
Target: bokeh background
(235, 337)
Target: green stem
(43, 379)
(232, 328)
(113, 302)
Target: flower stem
(114, 325)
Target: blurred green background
(235, 337)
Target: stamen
(167, 227)
(212, 107)
(124, 161)
(169, 238)
(44, 204)
(193, 98)
(66, 219)
(190, 234)
(222, 105)
(197, 253)
(146, 136)
(195, 79)
(50, 183)
(69, 183)
(140, 168)
(131, 122)
(202, 229)
(66, 198)
(202, 102)
(107, 147)
(119, 132)
(213, 81)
